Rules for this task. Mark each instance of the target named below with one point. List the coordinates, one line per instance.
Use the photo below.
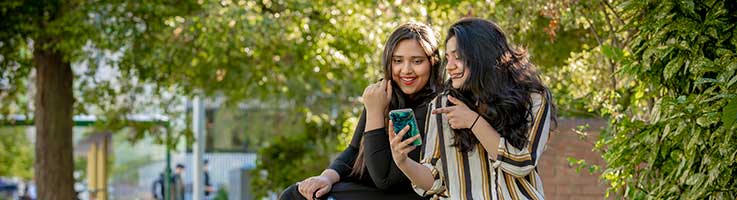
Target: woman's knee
(291, 193)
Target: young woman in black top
(365, 170)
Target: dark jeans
(350, 190)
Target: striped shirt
(476, 175)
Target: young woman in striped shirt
(489, 128)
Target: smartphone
(402, 118)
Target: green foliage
(16, 154)
(80, 168)
(581, 164)
(584, 83)
(298, 156)
(663, 72)
(86, 34)
(239, 49)
(253, 127)
(676, 137)
(222, 194)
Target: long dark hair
(500, 82)
(429, 42)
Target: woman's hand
(315, 186)
(459, 116)
(376, 97)
(400, 148)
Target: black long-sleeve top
(383, 173)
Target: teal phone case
(402, 118)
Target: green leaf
(616, 54)
(672, 68)
(707, 119)
(731, 82)
(694, 179)
(729, 113)
(607, 51)
(688, 7)
(681, 99)
(701, 81)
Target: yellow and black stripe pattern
(512, 174)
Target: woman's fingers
(322, 191)
(307, 188)
(301, 185)
(400, 148)
(409, 141)
(403, 147)
(456, 101)
(391, 130)
(403, 131)
(398, 138)
(303, 189)
(443, 110)
(370, 88)
(452, 120)
(406, 151)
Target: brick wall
(559, 178)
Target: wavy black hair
(428, 40)
(499, 85)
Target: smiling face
(456, 68)
(410, 66)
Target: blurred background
(98, 98)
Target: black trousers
(351, 190)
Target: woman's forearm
(331, 175)
(488, 137)
(374, 120)
(418, 174)
(382, 171)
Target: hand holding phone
(403, 117)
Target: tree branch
(616, 15)
(613, 38)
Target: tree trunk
(54, 102)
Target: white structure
(198, 148)
(220, 164)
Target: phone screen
(402, 118)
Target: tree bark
(53, 117)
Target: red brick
(560, 180)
